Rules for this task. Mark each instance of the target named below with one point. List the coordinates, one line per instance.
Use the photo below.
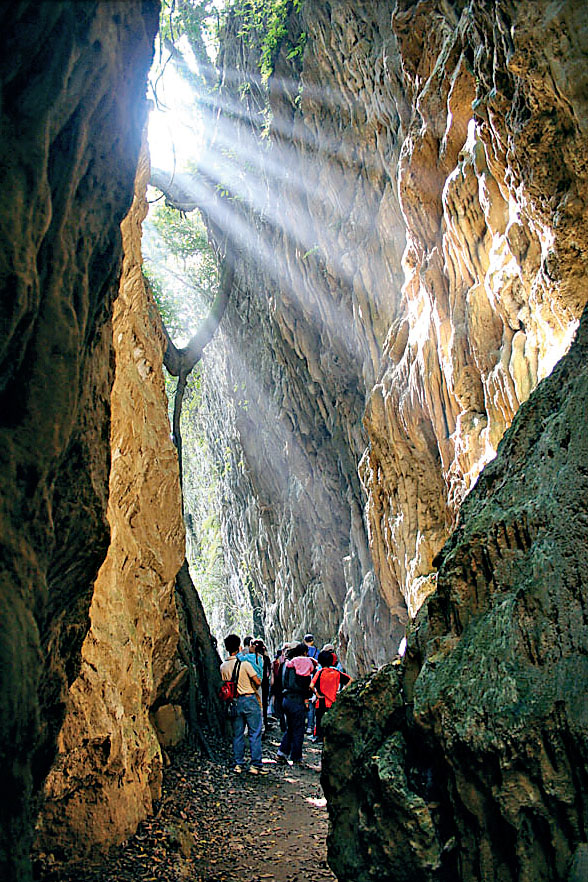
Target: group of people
(298, 688)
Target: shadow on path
(213, 825)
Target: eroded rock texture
(493, 198)
(109, 766)
(73, 84)
(410, 253)
(469, 760)
(294, 355)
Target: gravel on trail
(214, 825)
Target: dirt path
(215, 826)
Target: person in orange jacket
(326, 684)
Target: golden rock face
(482, 319)
(108, 769)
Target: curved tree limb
(187, 192)
(187, 358)
(180, 362)
(192, 353)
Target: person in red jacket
(326, 684)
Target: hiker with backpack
(277, 685)
(296, 676)
(246, 704)
(326, 684)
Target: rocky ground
(215, 826)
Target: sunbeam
(232, 183)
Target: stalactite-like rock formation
(72, 113)
(492, 197)
(109, 766)
(411, 262)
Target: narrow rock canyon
(395, 403)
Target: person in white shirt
(248, 708)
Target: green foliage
(204, 545)
(183, 235)
(181, 268)
(314, 250)
(201, 22)
(266, 21)
(298, 48)
(198, 22)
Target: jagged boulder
(380, 825)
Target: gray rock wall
(294, 356)
(409, 266)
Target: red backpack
(228, 689)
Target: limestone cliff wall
(109, 766)
(410, 246)
(72, 112)
(468, 760)
(492, 196)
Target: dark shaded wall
(73, 79)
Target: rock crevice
(109, 767)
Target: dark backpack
(295, 684)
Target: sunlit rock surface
(72, 112)
(109, 766)
(493, 201)
(410, 264)
(468, 761)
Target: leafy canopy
(262, 22)
(181, 268)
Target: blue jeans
(291, 744)
(310, 723)
(248, 712)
